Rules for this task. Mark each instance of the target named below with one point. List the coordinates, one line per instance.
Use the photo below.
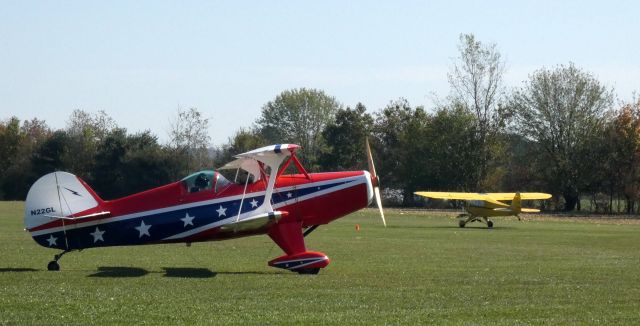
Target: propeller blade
(372, 168)
(376, 191)
(375, 180)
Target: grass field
(421, 269)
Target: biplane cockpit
(205, 180)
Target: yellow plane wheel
(461, 223)
(490, 224)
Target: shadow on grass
(188, 272)
(479, 227)
(254, 273)
(179, 272)
(16, 269)
(108, 271)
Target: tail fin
(57, 195)
(516, 203)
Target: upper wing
(523, 195)
(272, 150)
(454, 195)
(483, 196)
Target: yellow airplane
(481, 206)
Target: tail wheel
(53, 266)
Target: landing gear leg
(53, 265)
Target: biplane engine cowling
(370, 192)
(57, 194)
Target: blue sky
(140, 61)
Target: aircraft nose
(370, 193)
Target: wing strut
(297, 163)
(244, 193)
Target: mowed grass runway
(421, 269)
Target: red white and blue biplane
(63, 212)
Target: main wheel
(53, 266)
(308, 271)
(461, 223)
(489, 223)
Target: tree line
(559, 132)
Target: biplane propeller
(64, 213)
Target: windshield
(205, 180)
(221, 182)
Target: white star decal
(188, 220)
(289, 195)
(97, 235)
(221, 211)
(52, 240)
(143, 229)
(254, 203)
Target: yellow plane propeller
(481, 206)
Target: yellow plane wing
(482, 196)
(523, 195)
(453, 195)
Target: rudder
(57, 194)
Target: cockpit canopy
(205, 180)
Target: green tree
(476, 80)
(299, 116)
(51, 155)
(126, 164)
(242, 141)
(146, 163)
(10, 139)
(388, 129)
(450, 151)
(561, 110)
(17, 146)
(345, 139)
(190, 141)
(624, 158)
(85, 131)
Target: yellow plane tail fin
(516, 203)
